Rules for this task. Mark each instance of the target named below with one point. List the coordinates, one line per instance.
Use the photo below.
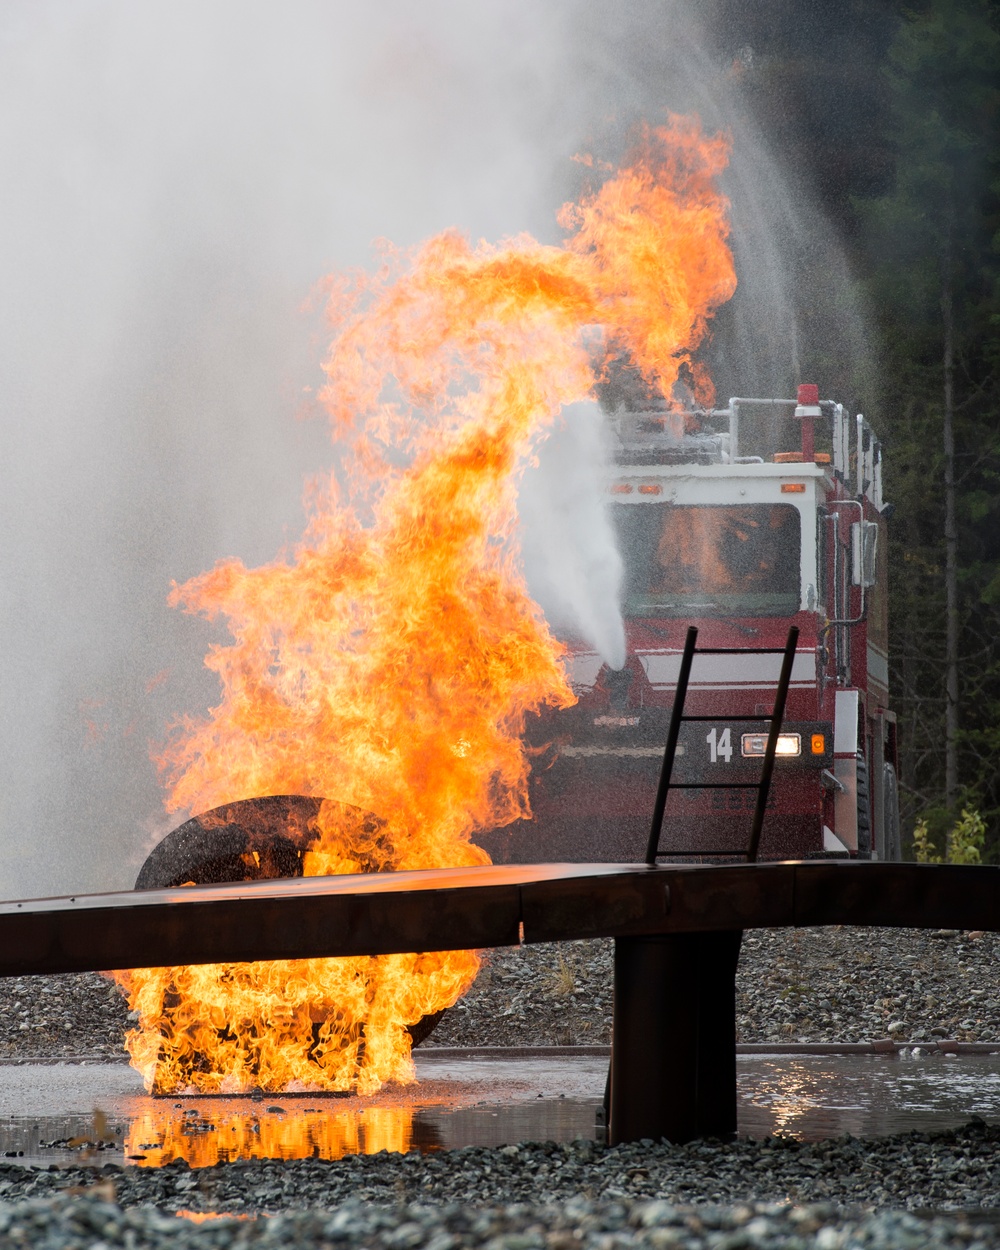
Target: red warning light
(808, 394)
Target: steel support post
(673, 1066)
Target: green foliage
(924, 850)
(964, 841)
(889, 110)
(965, 844)
(936, 234)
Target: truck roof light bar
(807, 409)
(656, 434)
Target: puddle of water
(219, 1134)
(812, 1097)
(460, 1102)
(456, 1103)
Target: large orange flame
(391, 660)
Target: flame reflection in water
(459, 1101)
(202, 1139)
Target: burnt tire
(251, 840)
(864, 809)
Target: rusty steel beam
(372, 914)
(459, 908)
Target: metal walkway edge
(464, 908)
(677, 933)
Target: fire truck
(741, 546)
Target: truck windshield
(709, 560)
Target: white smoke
(174, 178)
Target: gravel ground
(727, 1197)
(575, 1225)
(953, 1169)
(65, 1017)
(813, 985)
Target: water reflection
(789, 1093)
(49, 1113)
(817, 1096)
(220, 1135)
(49, 1116)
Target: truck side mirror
(864, 539)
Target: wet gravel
(808, 985)
(574, 1225)
(723, 1196)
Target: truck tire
(236, 842)
(890, 810)
(250, 840)
(864, 809)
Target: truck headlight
(756, 744)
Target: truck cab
(742, 546)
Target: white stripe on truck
(727, 672)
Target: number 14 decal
(720, 745)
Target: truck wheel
(864, 810)
(890, 808)
(250, 840)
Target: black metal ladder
(762, 786)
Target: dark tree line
(890, 114)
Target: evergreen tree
(930, 249)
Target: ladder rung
(732, 718)
(739, 650)
(715, 785)
(734, 851)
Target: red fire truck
(742, 546)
